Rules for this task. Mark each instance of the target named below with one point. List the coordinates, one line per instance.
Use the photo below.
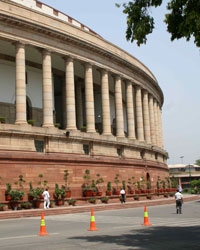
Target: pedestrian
(123, 198)
(179, 201)
(46, 198)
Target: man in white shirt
(179, 201)
(122, 192)
(46, 198)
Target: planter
(109, 193)
(14, 205)
(131, 192)
(59, 202)
(36, 203)
(68, 194)
(149, 197)
(94, 193)
(92, 201)
(8, 198)
(87, 193)
(138, 192)
(117, 192)
(30, 198)
(99, 193)
(136, 198)
(41, 196)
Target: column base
(21, 123)
(47, 125)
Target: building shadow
(151, 238)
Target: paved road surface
(118, 229)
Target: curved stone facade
(93, 105)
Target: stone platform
(87, 208)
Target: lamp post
(182, 159)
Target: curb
(87, 208)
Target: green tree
(197, 162)
(183, 19)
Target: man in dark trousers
(123, 198)
(179, 201)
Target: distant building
(185, 173)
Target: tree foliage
(183, 19)
(197, 162)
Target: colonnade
(144, 121)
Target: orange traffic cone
(146, 219)
(92, 223)
(42, 227)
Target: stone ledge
(87, 208)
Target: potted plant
(52, 204)
(163, 185)
(15, 197)
(148, 187)
(168, 184)
(86, 188)
(166, 195)
(109, 188)
(31, 122)
(149, 196)
(117, 181)
(138, 191)
(7, 192)
(136, 197)
(158, 184)
(94, 189)
(98, 182)
(2, 206)
(131, 185)
(72, 202)
(67, 189)
(2, 119)
(20, 182)
(57, 125)
(104, 199)
(59, 195)
(92, 200)
(36, 193)
(26, 205)
(142, 183)
(83, 129)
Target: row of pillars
(144, 125)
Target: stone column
(147, 134)
(106, 125)
(152, 120)
(89, 99)
(156, 121)
(79, 104)
(70, 94)
(20, 88)
(119, 108)
(160, 127)
(139, 115)
(47, 89)
(130, 110)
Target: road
(118, 229)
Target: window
(86, 149)
(39, 146)
(119, 152)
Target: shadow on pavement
(152, 238)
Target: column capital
(68, 58)
(19, 44)
(46, 52)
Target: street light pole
(181, 159)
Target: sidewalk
(87, 207)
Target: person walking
(179, 201)
(46, 198)
(123, 198)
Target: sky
(176, 65)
